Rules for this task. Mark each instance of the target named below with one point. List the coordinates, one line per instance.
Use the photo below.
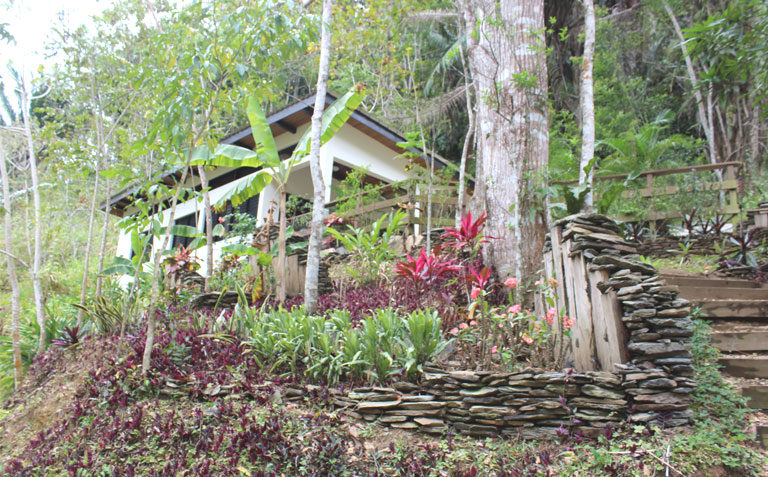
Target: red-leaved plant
(468, 236)
(425, 269)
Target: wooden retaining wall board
(734, 308)
(740, 341)
(598, 337)
(745, 367)
(758, 396)
(610, 334)
(579, 307)
(723, 293)
(686, 281)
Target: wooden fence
(728, 185)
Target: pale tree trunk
(158, 265)
(208, 225)
(431, 164)
(754, 138)
(587, 103)
(281, 259)
(37, 226)
(103, 245)
(467, 139)
(11, 267)
(318, 184)
(513, 134)
(704, 115)
(98, 120)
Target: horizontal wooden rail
(661, 172)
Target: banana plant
(266, 156)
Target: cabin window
(190, 220)
(250, 207)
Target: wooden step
(757, 395)
(734, 308)
(740, 341)
(745, 367)
(722, 293)
(762, 436)
(689, 281)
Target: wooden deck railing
(444, 202)
(729, 186)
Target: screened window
(189, 220)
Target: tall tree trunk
(11, 267)
(754, 137)
(98, 120)
(508, 66)
(467, 139)
(208, 225)
(281, 259)
(37, 226)
(103, 244)
(318, 184)
(704, 114)
(586, 98)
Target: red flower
(511, 282)
(221, 220)
(476, 293)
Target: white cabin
(361, 142)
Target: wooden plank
(757, 395)
(724, 293)
(671, 190)
(295, 276)
(734, 308)
(609, 331)
(740, 341)
(746, 367)
(558, 273)
(762, 436)
(583, 341)
(688, 281)
(377, 206)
